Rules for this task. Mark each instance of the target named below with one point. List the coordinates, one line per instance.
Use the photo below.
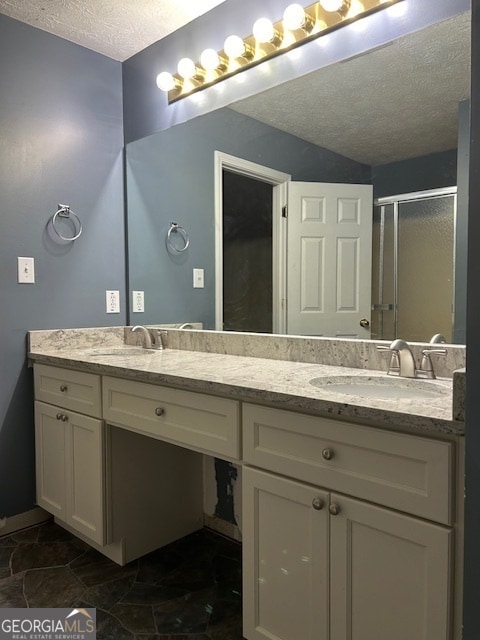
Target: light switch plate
(26, 270)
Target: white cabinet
(285, 559)
(70, 468)
(124, 490)
(390, 574)
(347, 529)
(70, 450)
(320, 564)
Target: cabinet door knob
(334, 509)
(63, 388)
(327, 454)
(62, 416)
(318, 504)
(159, 411)
(59, 416)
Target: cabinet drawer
(73, 390)
(408, 473)
(194, 420)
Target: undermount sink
(378, 387)
(120, 351)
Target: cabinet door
(50, 459)
(285, 555)
(390, 575)
(84, 459)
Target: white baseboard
(222, 526)
(23, 520)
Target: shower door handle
(383, 307)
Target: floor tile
(105, 596)
(136, 618)
(189, 590)
(35, 555)
(189, 614)
(56, 587)
(93, 568)
(11, 592)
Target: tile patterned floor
(189, 590)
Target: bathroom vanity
(352, 506)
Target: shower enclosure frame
(396, 200)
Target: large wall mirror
(395, 118)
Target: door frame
(279, 181)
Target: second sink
(120, 351)
(378, 387)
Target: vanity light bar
(299, 25)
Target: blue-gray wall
(434, 171)
(170, 177)
(60, 142)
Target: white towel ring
(174, 228)
(64, 211)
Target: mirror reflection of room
(372, 125)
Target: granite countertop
(284, 384)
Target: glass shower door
(413, 266)
(426, 268)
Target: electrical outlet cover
(138, 301)
(112, 300)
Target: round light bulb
(165, 81)
(234, 46)
(332, 5)
(263, 30)
(294, 17)
(355, 8)
(210, 59)
(186, 68)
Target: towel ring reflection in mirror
(64, 211)
(182, 234)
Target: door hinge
(285, 211)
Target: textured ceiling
(390, 104)
(116, 28)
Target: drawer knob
(159, 411)
(318, 504)
(63, 388)
(327, 454)
(334, 509)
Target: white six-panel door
(329, 245)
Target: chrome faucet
(402, 362)
(153, 338)
(147, 338)
(186, 325)
(406, 361)
(438, 338)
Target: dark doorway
(247, 254)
